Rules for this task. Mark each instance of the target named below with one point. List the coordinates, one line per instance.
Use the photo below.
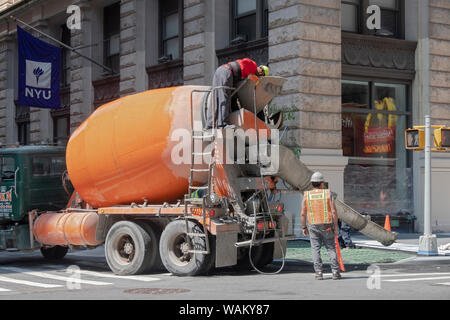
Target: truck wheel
(155, 233)
(266, 256)
(174, 247)
(54, 253)
(243, 263)
(130, 248)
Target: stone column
(199, 42)
(133, 76)
(434, 77)
(5, 51)
(81, 90)
(37, 134)
(305, 48)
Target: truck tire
(266, 256)
(154, 231)
(54, 253)
(243, 263)
(131, 248)
(174, 245)
(261, 256)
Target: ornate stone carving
(371, 51)
(106, 90)
(165, 75)
(257, 50)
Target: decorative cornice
(257, 50)
(106, 90)
(378, 52)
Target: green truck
(30, 178)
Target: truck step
(198, 188)
(194, 200)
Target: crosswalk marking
(4, 290)
(417, 279)
(29, 283)
(444, 283)
(110, 275)
(56, 277)
(414, 274)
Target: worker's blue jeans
(319, 235)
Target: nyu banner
(39, 64)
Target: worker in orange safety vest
(322, 228)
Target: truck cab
(30, 178)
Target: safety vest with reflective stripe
(318, 206)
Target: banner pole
(64, 45)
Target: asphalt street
(85, 275)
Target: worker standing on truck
(322, 224)
(228, 75)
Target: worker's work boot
(337, 275)
(319, 275)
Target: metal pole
(428, 241)
(63, 44)
(427, 186)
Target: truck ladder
(204, 135)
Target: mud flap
(280, 251)
(226, 251)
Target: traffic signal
(442, 138)
(415, 139)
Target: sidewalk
(406, 242)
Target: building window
(375, 115)
(250, 20)
(351, 10)
(111, 36)
(65, 57)
(390, 17)
(354, 17)
(171, 30)
(23, 124)
(61, 129)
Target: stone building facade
(340, 78)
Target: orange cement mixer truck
(158, 191)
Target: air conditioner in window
(165, 58)
(239, 39)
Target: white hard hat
(317, 177)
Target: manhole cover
(156, 291)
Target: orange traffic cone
(387, 223)
(339, 256)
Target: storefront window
(374, 118)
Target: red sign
(379, 140)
